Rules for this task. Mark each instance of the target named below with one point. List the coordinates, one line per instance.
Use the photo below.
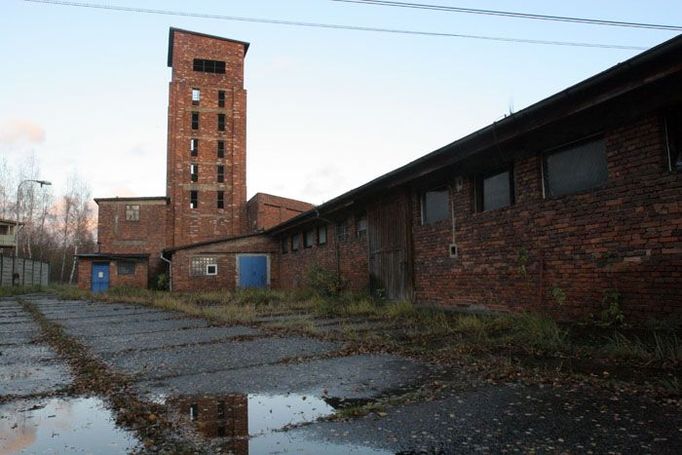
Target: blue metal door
(100, 276)
(253, 271)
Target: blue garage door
(100, 276)
(253, 271)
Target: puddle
(250, 423)
(57, 426)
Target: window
(435, 205)
(195, 120)
(132, 213)
(203, 266)
(361, 226)
(209, 66)
(673, 133)
(193, 199)
(342, 231)
(220, 171)
(322, 234)
(221, 149)
(309, 238)
(495, 191)
(285, 245)
(196, 96)
(194, 172)
(221, 98)
(295, 242)
(221, 122)
(194, 147)
(220, 202)
(577, 168)
(125, 268)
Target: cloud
(14, 131)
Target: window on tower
(196, 96)
(194, 146)
(221, 200)
(221, 122)
(221, 149)
(209, 66)
(193, 199)
(195, 120)
(194, 172)
(221, 173)
(221, 98)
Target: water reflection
(58, 426)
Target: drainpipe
(336, 243)
(170, 272)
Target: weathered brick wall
(139, 279)
(625, 237)
(352, 258)
(226, 257)
(117, 235)
(265, 210)
(207, 221)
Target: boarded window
(342, 231)
(220, 202)
(309, 238)
(194, 172)
(435, 205)
(673, 130)
(295, 242)
(495, 191)
(285, 245)
(322, 234)
(361, 226)
(220, 171)
(195, 120)
(221, 149)
(196, 96)
(202, 265)
(577, 168)
(221, 122)
(193, 199)
(209, 66)
(125, 268)
(194, 147)
(221, 98)
(132, 213)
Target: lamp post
(16, 228)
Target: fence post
(23, 272)
(2, 267)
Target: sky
(86, 90)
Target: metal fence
(23, 272)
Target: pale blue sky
(327, 109)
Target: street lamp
(16, 227)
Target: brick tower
(206, 168)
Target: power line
(333, 26)
(542, 17)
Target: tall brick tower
(206, 168)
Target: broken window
(194, 172)
(494, 191)
(196, 96)
(221, 173)
(361, 226)
(309, 238)
(132, 213)
(576, 168)
(295, 242)
(194, 147)
(195, 120)
(322, 234)
(285, 245)
(221, 149)
(435, 205)
(673, 133)
(221, 98)
(342, 231)
(203, 265)
(221, 122)
(125, 268)
(220, 202)
(209, 66)
(193, 199)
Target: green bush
(324, 282)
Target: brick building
(569, 205)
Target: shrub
(324, 282)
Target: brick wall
(225, 254)
(626, 236)
(206, 221)
(139, 279)
(265, 211)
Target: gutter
(170, 272)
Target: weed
(612, 313)
(324, 282)
(559, 295)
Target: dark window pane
(126, 268)
(221, 98)
(195, 120)
(221, 173)
(221, 122)
(193, 199)
(309, 238)
(496, 191)
(435, 206)
(578, 168)
(221, 200)
(322, 235)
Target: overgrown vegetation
(10, 291)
